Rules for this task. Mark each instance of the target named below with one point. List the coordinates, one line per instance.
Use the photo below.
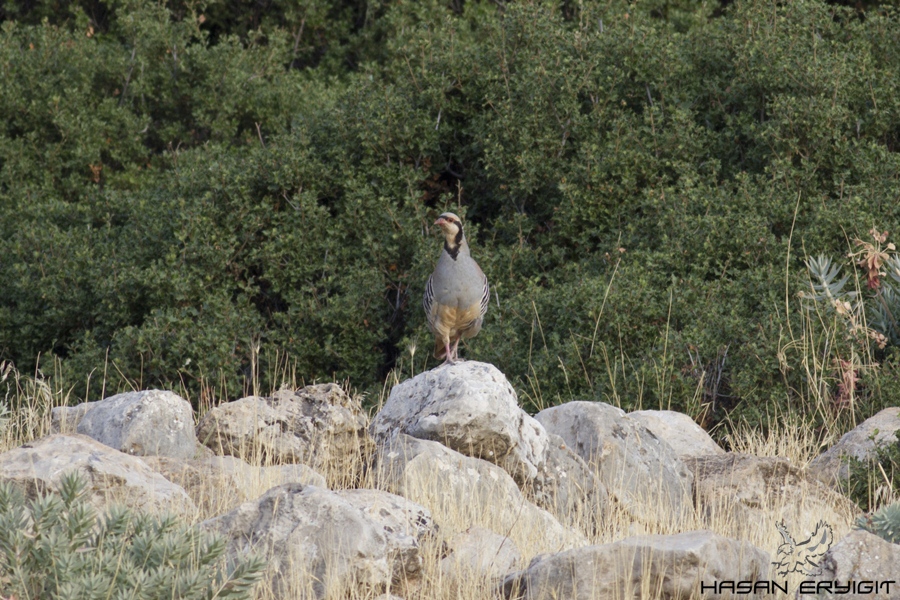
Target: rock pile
(319, 425)
(450, 447)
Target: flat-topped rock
(112, 476)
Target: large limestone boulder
(406, 525)
(661, 566)
(217, 484)
(860, 559)
(641, 471)
(567, 487)
(679, 431)
(753, 493)
(461, 489)
(318, 425)
(831, 466)
(112, 476)
(148, 423)
(469, 407)
(478, 557)
(317, 541)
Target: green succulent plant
(885, 523)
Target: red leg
(449, 357)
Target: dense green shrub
(642, 182)
(56, 547)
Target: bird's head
(451, 227)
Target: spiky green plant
(879, 267)
(885, 523)
(826, 285)
(57, 547)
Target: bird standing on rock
(457, 293)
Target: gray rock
(641, 471)
(469, 407)
(461, 489)
(219, 483)
(318, 541)
(112, 476)
(860, 557)
(859, 443)
(478, 556)
(756, 492)
(679, 431)
(405, 523)
(148, 423)
(65, 419)
(664, 566)
(319, 425)
(567, 487)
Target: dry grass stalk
(788, 437)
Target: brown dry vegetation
(786, 436)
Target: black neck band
(453, 251)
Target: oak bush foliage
(642, 183)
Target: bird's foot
(448, 354)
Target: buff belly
(452, 323)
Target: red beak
(440, 221)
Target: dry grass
(787, 437)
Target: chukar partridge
(457, 294)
